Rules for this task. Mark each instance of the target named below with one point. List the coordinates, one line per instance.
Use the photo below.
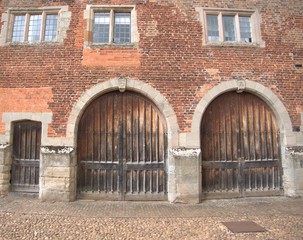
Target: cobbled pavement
(28, 218)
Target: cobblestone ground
(32, 219)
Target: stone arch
(146, 90)
(283, 119)
(124, 84)
(253, 87)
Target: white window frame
(63, 21)
(112, 9)
(254, 26)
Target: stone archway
(275, 104)
(147, 91)
(122, 149)
(240, 148)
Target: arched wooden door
(240, 146)
(122, 149)
(26, 156)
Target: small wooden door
(122, 149)
(26, 155)
(240, 144)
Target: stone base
(293, 171)
(187, 175)
(57, 196)
(57, 174)
(5, 168)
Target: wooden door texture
(240, 145)
(122, 149)
(26, 155)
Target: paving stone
(28, 218)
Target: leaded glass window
(101, 27)
(112, 27)
(51, 25)
(18, 29)
(229, 28)
(122, 28)
(212, 28)
(34, 27)
(245, 29)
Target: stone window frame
(255, 24)
(89, 17)
(64, 17)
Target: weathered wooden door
(240, 146)
(26, 155)
(122, 149)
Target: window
(121, 27)
(245, 29)
(111, 25)
(229, 31)
(229, 26)
(101, 28)
(212, 28)
(35, 25)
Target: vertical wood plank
(246, 130)
(138, 132)
(122, 129)
(265, 134)
(259, 132)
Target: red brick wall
(24, 100)
(170, 57)
(111, 57)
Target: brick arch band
(283, 119)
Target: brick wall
(170, 57)
(24, 100)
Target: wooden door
(122, 149)
(26, 155)
(240, 144)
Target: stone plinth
(57, 174)
(293, 170)
(5, 168)
(187, 174)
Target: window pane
(18, 30)
(212, 28)
(245, 31)
(229, 28)
(101, 28)
(34, 29)
(51, 27)
(122, 28)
